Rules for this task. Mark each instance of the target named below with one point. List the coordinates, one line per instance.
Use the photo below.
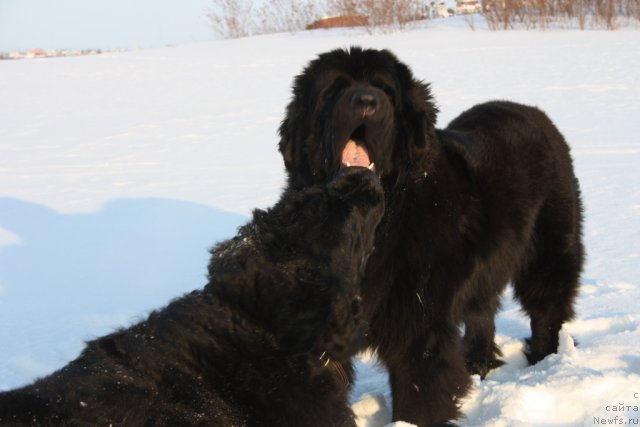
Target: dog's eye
(390, 93)
(340, 83)
(333, 90)
(386, 88)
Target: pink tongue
(355, 155)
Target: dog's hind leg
(549, 283)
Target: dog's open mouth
(355, 153)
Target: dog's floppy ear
(289, 127)
(419, 111)
(294, 128)
(285, 146)
(290, 147)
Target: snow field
(118, 171)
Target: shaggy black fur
(260, 345)
(489, 200)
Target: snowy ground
(117, 172)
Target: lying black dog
(260, 345)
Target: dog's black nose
(365, 102)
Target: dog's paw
(358, 186)
(483, 367)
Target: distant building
(437, 10)
(465, 7)
(36, 53)
(53, 53)
(442, 11)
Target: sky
(118, 171)
(86, 24)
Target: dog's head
(354, 107)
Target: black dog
(260, 345)
(489, 200)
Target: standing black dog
(260, 345)
(489, 200)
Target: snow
(118, 171)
